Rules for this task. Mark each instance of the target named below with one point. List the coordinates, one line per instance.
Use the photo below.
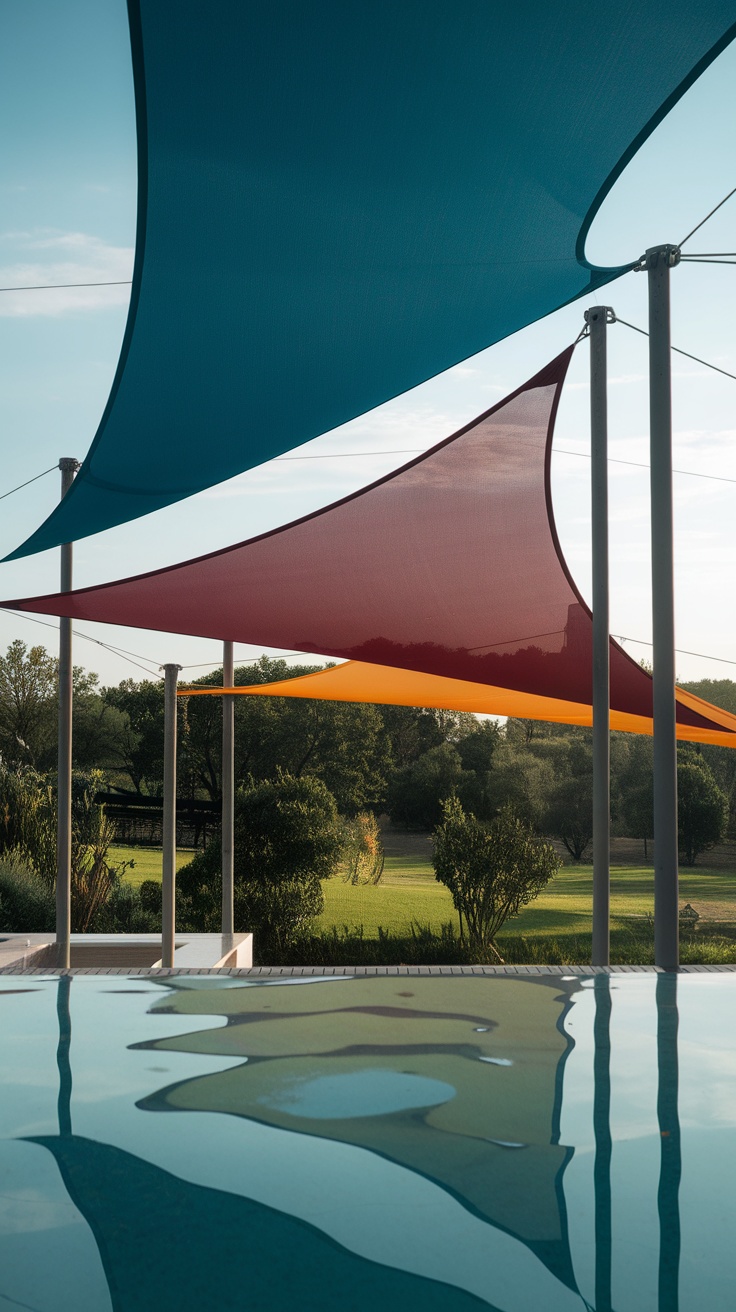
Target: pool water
(536, 1144)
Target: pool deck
(123, 954)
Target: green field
(410, 894)
(564, 907)
(147, 862)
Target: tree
(101, 731)
(28, 700)
(569, 813)
(139, 750)
(477, 748)
(491, 870)
(519, 778)
(702, 809)
(343, 744)
(721, 760)
(287, 840)
(634, 785)
(417, 793)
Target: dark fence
(139, 820)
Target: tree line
(402, 761)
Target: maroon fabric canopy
(449, 566)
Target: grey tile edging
(271, 972)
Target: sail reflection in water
(405, 1142)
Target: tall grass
(423, 946)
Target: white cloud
(49, 258)
(461, 371)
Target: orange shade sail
(358, 681)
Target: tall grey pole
(597, 319)
(68, 467)
(658, 261)
(228, 789)
(168, 890)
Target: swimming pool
(400, 1142)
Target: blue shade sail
(338, 201)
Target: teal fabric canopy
(339, 200)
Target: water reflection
(603, 1141)
(669, 1131)
(457, 1085)
(63, 1012)
(499, 1053)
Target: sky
(67, 214)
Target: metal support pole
(596, 319)
(68, 467)
(168, 908)
(659, 260)
(228, 791)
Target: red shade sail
(450, 567)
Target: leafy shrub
(125, 911)
(28, 818)
(287, 839)
(491, 870)
(151, 895)
(28, 823)
(27, 903)
(362, 852)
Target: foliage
(491, 870)
(27, 903)
(128, 911)
(410, 732)
(287, 839)
(28, 713)
(417, 793)
(702, 809)
(99, 730)
(520, 778)
(635, 789)
(94, 878)
(634, 945)
(27, 705)
(28, 818)
(362, 850)
(140, 746)
(478, 746)
(569, 813)
(28, 823)
(720, 760)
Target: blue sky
(67, 201)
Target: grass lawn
(409, 893)
(147, 862)
(564, 907)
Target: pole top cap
(69, 462)
(656, 256)
(600, 314)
